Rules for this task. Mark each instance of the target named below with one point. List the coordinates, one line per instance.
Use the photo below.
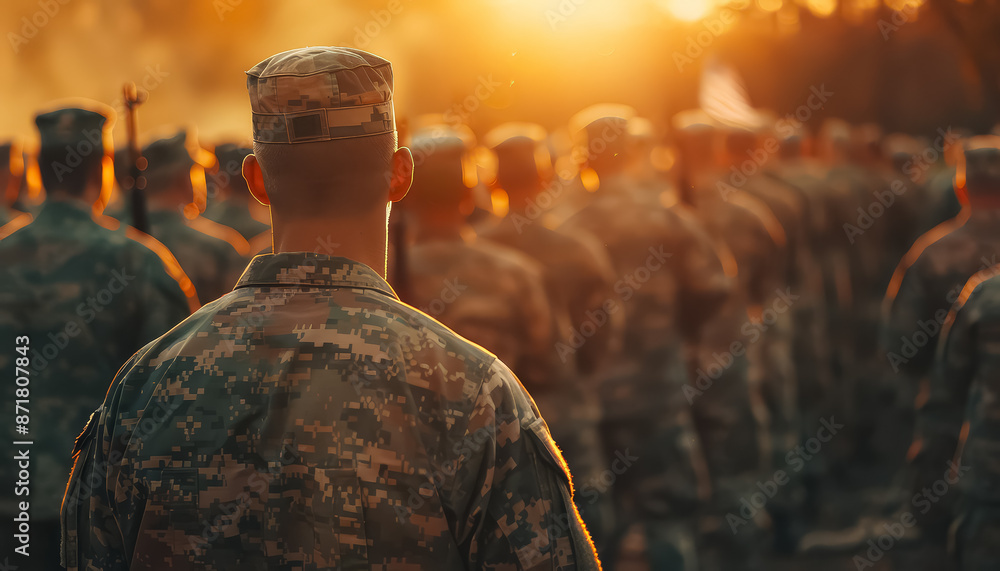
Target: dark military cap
(230, 159)
(78, 129)
(165, 155)
(319, 94)
(982, 163)
(601, 129)
(229, 154)
(440, 156)
(521, 154)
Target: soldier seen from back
(212, 254)
(309, 419)
(80, 298)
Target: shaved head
(328, 178)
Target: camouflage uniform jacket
(670, 282)
(213, 264)
(491, 295)
(87, 298)
(960, 417)
(928, 281)
(309, 420)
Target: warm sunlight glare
(689, 10)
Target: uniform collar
(311, 270)
(63, 209)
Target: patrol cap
(75, 138)
(521, 153)
(166, 155)
(982, 163)
(71, 127)
(601, 129)
(692, 120)
(229, 154)
(230, 160)
(320, 93)
(441, 161)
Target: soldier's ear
(402, 174)
(255, 180)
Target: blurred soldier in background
(490, 294)
(345, 429)
(213, 255)
(578, 279)
(733, 418)
(80, 298)
(958, 419)
(926, 284)
(231, 203)
(670, 282)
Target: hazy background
(546, 59)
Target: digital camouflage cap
(320, 94)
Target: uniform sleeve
(941, 414)
(91, 535)
(513, 496)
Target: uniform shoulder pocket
(77, 495)
(572, 542)
(550, 453)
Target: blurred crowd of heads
(455, 167)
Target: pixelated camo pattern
(309, 420)
(320, 93)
